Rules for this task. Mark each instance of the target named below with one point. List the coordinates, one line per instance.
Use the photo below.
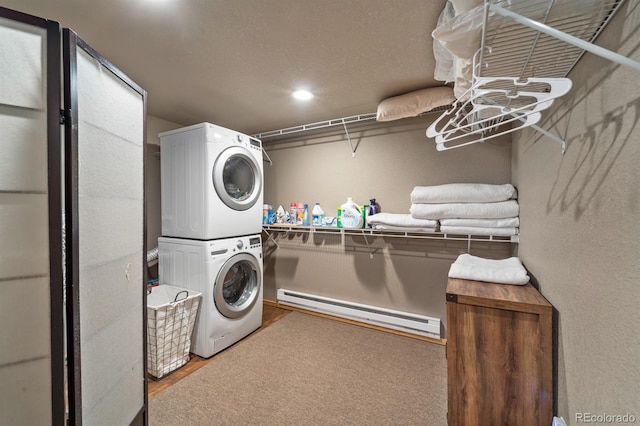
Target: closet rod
(330, 123)
(585, 45)
(317, 125)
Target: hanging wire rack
(522, 40)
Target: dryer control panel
(255, 144)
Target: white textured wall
(155, 126)
(580, 226)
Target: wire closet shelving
(523, 42)
(374, 233)
(521, 39)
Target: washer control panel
(255, 242)
(227, 246)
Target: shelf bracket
(346, 131)
(364, 235)
(537, 128)
(265, 154)
(270, 237)
(563, 144)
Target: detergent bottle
(317, 215)
(351, 214)
(364, 212)
(305, 215)
(300, 216)
(293, 213)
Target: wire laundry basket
(171, 316)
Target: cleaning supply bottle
(293, 213)
(364, 212)
(305, 215)
(339, 218)
(300, 213)
(374, 207)
(317, 215)
(351, 215)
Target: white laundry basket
(171, 316)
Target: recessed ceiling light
(302, 95)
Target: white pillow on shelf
(414, 103)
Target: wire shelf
(511, 49)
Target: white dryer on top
(212, 183)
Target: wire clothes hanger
(528, 38)
(482, 111)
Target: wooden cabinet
(499, 355)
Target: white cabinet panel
(29, 402)
(24, 227)
(23, 148)
(24, 307)
(21, 65)
(116, 285)
(111, 165)
(110, 185)
(109, 229)
(109, 104)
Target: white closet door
(31, 363)
(107, 163)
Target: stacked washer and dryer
(212, 197)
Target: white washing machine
(228, 273)
(212, 183)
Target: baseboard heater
(397, 320)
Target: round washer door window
(237, 178)
(237, 286)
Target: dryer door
(237, 178)
(237, 285)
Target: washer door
(237, 178)
(237, 285)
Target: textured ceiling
(235, 62)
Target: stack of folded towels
(468, 208)
(401, 222)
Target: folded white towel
(463, 193)
(477, 230)
(400, 219)
(502, 209)
(510, 222)
(404, 228)
(504, 271)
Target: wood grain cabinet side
(499, 355)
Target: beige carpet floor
(307, 370)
